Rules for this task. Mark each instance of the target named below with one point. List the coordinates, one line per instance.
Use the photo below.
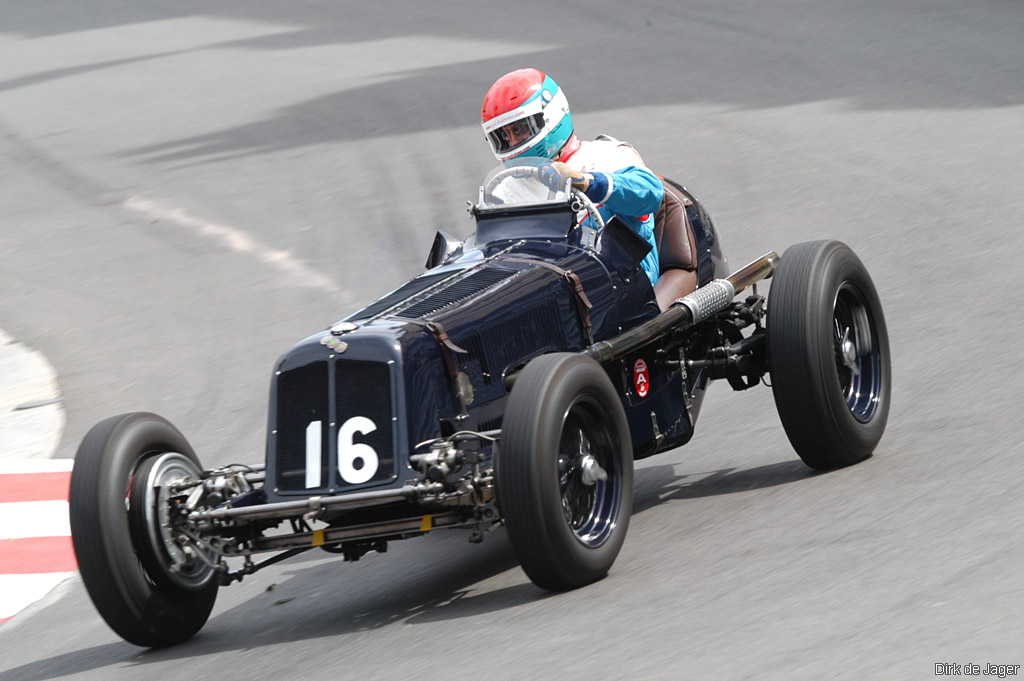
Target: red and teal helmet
(525, 113)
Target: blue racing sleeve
(634, 191)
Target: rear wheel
(151, 590)
(828, 351)
(565, 471)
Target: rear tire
(116, 556)
(828, 351)
(564, 429)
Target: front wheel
(828, 352)
(565, 471)
(151, 589)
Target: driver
(525, 113)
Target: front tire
(116, 542)
(828, 352)
(565, 471)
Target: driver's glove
(555, 174)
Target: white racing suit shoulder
(604, 154)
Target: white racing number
(348, 452)
(313, 454)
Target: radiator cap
(343, 327)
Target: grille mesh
(364, 389)
(301, 399)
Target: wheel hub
(181, 562)
(848, 352)
(591, 471)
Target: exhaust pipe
(686, 311)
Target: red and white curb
(35, 537)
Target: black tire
(117, 562)
(828, 352)
(566, 532)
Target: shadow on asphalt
(658, 484)
(430, 581)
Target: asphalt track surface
(190, 187)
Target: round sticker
(641, 378)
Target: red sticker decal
(641, 378)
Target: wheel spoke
(583, 476)
(856, 358)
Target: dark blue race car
(513, 383)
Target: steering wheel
(502, 175)
(533, 171)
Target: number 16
(348, 452)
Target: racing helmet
(525, 113)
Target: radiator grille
(302, 399)
(363, 389)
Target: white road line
(284, 262)
(20, 591)
(23, 519)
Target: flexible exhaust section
(688, 310)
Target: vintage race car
(513, 383)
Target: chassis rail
(315, 505)
(333, 535)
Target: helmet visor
(516, 134)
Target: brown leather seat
(677, 248)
